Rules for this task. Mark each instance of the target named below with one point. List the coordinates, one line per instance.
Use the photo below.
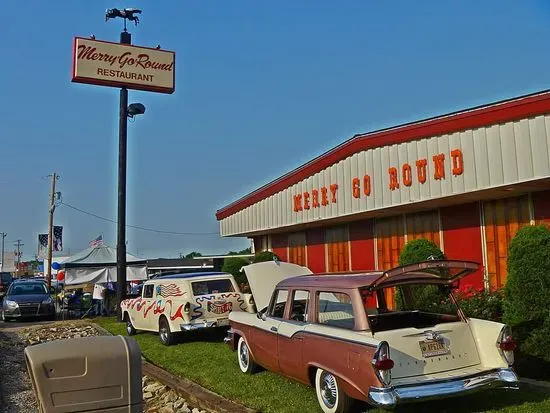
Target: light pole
(3, 234)
(125, 111)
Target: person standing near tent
(98, 297)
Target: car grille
(28, 308)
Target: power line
(136, 226)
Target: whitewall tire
(246, 363)
(331, 398)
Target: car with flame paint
(339, 334)
(183, 302)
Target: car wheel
(129, 326)
(330, 396)
(246, 363)
(166, 336)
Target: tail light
(187, 307)
(382, 363)
(506, 344)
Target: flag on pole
(97, 242)
(42, 245)
(57, 239)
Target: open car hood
(264, 276)
(427, 272)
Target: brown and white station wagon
(336, 333)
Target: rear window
(212, 287)
(27, 288)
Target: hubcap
(129, 326)
(243, 355)
(163, 334)
(328, 390)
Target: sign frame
(119, 83)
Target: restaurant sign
(120, 65)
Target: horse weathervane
(126, 14)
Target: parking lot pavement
(15, 325)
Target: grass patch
(205, 359)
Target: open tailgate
(426, 272)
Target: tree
(527, 291)
(429, 297)
(233, 265)
(193, 254)
(264, 256)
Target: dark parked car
(28, 299)
(5, 281)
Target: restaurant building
(466, 180)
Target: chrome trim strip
(391, 396)
(337, 338)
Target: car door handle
(275, 329)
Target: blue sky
(261, 87)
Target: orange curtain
(338, 249)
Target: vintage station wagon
(173, 303)
(336, 333)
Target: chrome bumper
(200, 325)
(391, 396)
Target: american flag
(42, 245)
(97, 242)
(57, 239)
(170, 290)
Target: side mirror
(261, 315)
(86, 374)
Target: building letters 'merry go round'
(321, 197)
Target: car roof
(189, 275)
(332, 280)
(28, 280)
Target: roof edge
(507, 110)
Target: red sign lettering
(394, 181)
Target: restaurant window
(424, 225)
(390, 240)
(337, 239)
(297, 248)
(503, 218)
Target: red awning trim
(483, 116)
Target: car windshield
(212, 287)
(27, 288)
(419, 306)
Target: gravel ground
(16, 394)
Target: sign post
(127, 67)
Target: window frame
(308, 308)
(353, 307)
(145, 289)
(272, 304)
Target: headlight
(47, 301)
(11, 304)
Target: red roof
(494, 113)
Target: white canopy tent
(98, 265)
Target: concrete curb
(536, 383)
(196, 394)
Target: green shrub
(233, 266)
(264, 256)
(429, 297)
(487, 305)
(527, 299)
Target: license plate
(432, 348)
(222, 322)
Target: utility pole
(18, 244)
(3, 234)
(50, 231)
